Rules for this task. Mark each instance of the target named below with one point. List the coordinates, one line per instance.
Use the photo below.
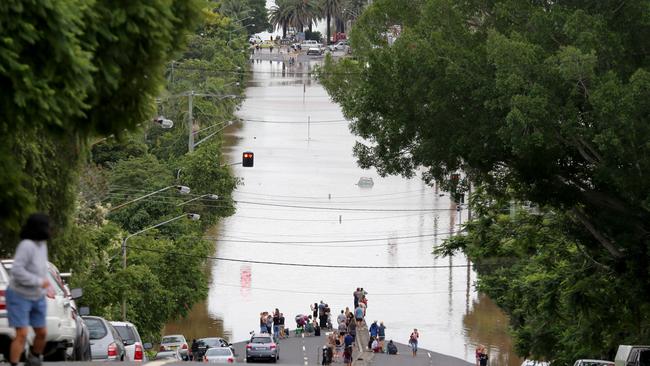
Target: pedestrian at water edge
(358, 314)
(374, 329)
(357, 296)
(477, 353)
(413, 341)
(281, 324)
(483, 357)
(25, 295)
(343, 328)
(347, 356)
(314, 310)
(341, 317)
(391, 348)
(352, 329)
(263, 322)
(381, 333)
(271, 49)
(269, 324)
(194, 348)
(276, 323)
(375, 346)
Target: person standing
(25, 295)
(413, 342)
(483, 357)
(194, 356)
(281, 323)
(381, 333)
(359, 313)
(374, 330)
(357, 296)
(276, 323)
(341, 318)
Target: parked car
(365, 182)
(310, 43)
(61, 320)
(535, 363)
(205, 344)
(168, 355)
(315, 50)
(632, 356)
(105, 341)
(593, 363)
(175, 342)
(262, 346)
(135, 349)
(219, 355)
(6, 333)
(339, 46)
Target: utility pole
(190, 123)
(308, 128)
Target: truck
(632, 356)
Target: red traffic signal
(247, 159)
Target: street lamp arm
(148, 195)
(213, 126)
(210, 135)
(153, 227)
(212, 196)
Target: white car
(132, 341)
(310, 43)
(339, 46)
(219, 355)
(61, 318)
(535, 363)
(315, 50)
(593, 363)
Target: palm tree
(303, 13)
(280, 16)
(330, 8)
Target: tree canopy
(539, 101)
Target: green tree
(280, 16)
(541, 102)
(69, 70)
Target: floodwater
(301, 206)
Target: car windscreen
(261, 340)
(218, 352)
(210, 342)
(96, 328)
(126, 333)
(172, 339)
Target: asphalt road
(293, 350)
(424, 358)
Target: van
(632, 356)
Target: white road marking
(429, 353)
(303, 348)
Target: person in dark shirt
(392, 348)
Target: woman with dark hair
(25, 295)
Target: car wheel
(59, 354)
(248, 360)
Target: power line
(347, 208)
(334, 293)
(334, 241)
(238, 260)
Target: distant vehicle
(365, 182)
(315, 50)
(339, 46)
(175, 342)
(255, 40)
(632, 356)
(219, 355)
(106, 343)
(306, 44)
(535, 363)
(262, 346)
(593, 363)
(168, 355)
(132, 341)
(205, 344)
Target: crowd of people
(273, 323)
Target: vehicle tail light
(162, 348)
(112, 350)
(184, 346)
(3, 301)
(138, 355)
(205, 358)
(272, 345)
(248, 346)
(231, 360)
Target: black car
(205, 343)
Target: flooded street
(301, 205)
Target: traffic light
(247, 159)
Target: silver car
(175, 342)
(262, 346)
(135, 349)
(105, 342)
(219, 355)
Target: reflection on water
(486, 324)
(300, 204)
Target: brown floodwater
(301, 205)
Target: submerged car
(262, 346)
(204, 344)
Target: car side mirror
(147, 346)
(84, 310)
(76, 293)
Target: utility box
(632, 356)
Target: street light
(209, 195)
(164, 122)
(181, 190)
(191, 216)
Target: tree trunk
(284, 30)
(329, 20)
